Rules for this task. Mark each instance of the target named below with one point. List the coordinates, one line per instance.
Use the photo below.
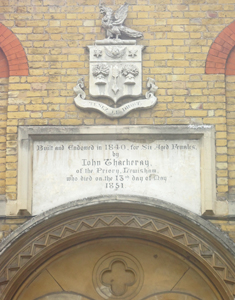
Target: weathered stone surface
(67, 170)
(156, 161)
(153, 270)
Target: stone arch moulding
(54, 231)
(14, 52)
(218, 55)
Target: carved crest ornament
(116, 69)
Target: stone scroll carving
(147, 102)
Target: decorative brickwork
(219, 53)
(4, 68)
(14, 52)
(230, 65)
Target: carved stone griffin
(112, 22)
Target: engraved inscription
(64, 171)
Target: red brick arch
(4, 68)
(220, 59)
(13, 53)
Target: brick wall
(3, 123)
(189, 52)
(228, 226)
(230, 94)
(7, 225)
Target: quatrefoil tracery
(118, 277)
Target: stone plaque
(64, 171)
(58, 165)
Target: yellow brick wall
(177, 36)
(3, 125)
(228, 226)
(8, 225)
(230, 94)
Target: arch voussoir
(14, 52)
(217, 58)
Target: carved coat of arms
(116, 69)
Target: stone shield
(115, 71)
